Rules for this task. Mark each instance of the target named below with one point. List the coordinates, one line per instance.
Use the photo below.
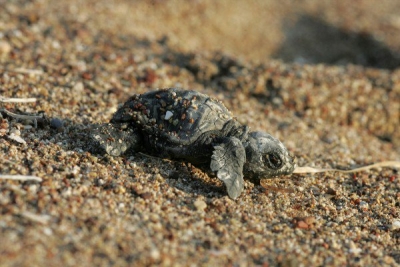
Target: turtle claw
(227, 160)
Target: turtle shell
(176, 115)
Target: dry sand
(323, 77)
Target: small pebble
(17, 138)
(5, 48)
(363, 205)
(200, 205)
(168, 115)
(56, 123)
(395, 225)
(302, 225)
(309, 220)
(15, 131)
(145, 195)
(155, 254)
(331, 191)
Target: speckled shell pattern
(172, 118)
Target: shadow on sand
(311, 40)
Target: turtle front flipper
(114, 139)
(227, 160)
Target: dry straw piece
(390, 164)
(20, 177)
(17, 100)
(19, 116)
(23, 71)
(17, 138)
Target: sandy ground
(321, 77)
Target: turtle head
(266, 157)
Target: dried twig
(20, 116)
(20, 177)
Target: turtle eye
(273, 160)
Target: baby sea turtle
(190, 126)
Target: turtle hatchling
(190, 126)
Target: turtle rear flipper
(113, 139)
(227, 160)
